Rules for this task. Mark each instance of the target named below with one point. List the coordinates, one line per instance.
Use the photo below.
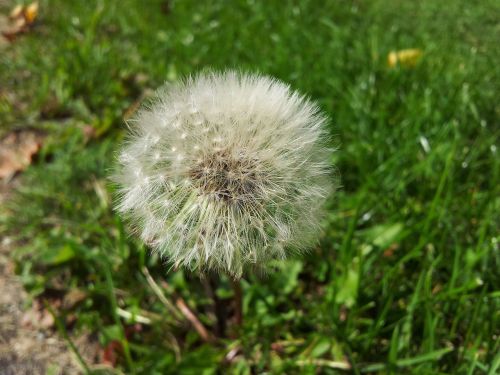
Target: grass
(405, 279)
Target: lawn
(405, 278)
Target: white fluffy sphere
(225, 171)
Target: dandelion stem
(238, 301)
(210, 283)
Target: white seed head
(225, 171)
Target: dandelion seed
(240, 177)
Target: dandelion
(225, 171)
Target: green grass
(405, 279)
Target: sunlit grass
(406, 277)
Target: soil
(29, 343)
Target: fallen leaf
(21, 20)
(276, 346)
(405, 57)
(14, 28)
(389, 252)
(46, 320)
(72, 298)
(16, 152)
(16, 12)
(37, 317)
(130, 330)
(28, 318)
(31, 12)
(110, 353)
(52, 108)
(88, 132)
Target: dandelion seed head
(226, 171)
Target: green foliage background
(405, 279)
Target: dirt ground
(29, 343)
(25, 347)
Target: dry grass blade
(181, 306)
(198, 326)
(159, 293)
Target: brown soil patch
(30, 346)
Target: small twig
(198, 326)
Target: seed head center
(228, 177)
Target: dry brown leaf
(37, 317)
(16, 12)
(389, 252)
(72, 298)
(21, 19)
(28, 318)
(110, 353)
(88, 132)
(46, 320)
(14, 28)
(16, 152)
